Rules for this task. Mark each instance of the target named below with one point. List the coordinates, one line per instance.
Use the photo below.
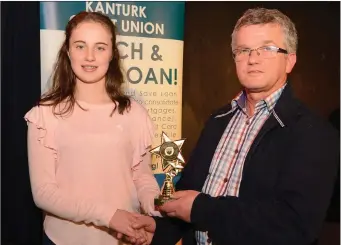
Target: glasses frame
(272, 48)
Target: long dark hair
(64, 79)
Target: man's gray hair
(260, 16)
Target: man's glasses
(265, 52)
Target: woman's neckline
(95, 105)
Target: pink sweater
(85, 166)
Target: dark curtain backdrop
(20, 65)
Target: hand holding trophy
(172, 164)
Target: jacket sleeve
(169, 230)
(296, 213)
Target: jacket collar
(285, 110)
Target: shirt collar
(269, 102)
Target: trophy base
(159, 201)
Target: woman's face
(90, 52)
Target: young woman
(88, 143)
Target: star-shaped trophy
(172, 164)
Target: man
(263, 169)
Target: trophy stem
(168, 187)
(167, 191)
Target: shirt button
(236, 151)
(225, 180)
(247, 122)
(209, 240)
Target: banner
(150, 40)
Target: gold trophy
(172, 164)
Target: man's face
(262, 73)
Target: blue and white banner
(150, 40)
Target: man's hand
(181, 206)
(122, 222)
(141, 234)
(144, 227)
(148, 224)
(145, 222)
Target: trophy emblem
(172, 164)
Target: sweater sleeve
(145, 182)
(42, 160)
